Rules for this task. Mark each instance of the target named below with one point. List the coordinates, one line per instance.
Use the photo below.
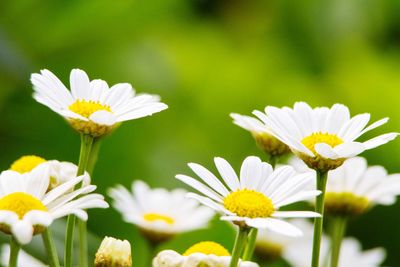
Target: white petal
(209, 178)
(380, 140)
(199, 187)
(227, 173)
(22, 231)
(347, 150)
(79, 84)
(103, 117)
(325, 151)
(295, 214)
(37, 217)
(250, 172)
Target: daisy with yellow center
(26, 208)
(91, 107)
(205, 253)
(59, 171)
(354, 187)
(155, 211)
(261, 134)
(254, 199)
(322, 137)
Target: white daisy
(113, 252)
(91, 107)
(322, 137)
(254, 199)
(59, 171)
(159, 213)
(354, 187)
(27, 209)
(206, 253)
(260, 132)
(298, 252)
(24, 259)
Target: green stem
(251, 244)
(239, 245)
(82, 226)
(14, 249)
(338, 231)
(50, 248)
(318, 222)
(86, 145)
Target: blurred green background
(206, 58)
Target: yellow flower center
(26, 163)
(249, 203)
(207, 247)
(151, 217)
(21, 203)
(87, 108)
(345, 204)
(319, 137)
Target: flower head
(91, 107)
(59, 171)
(254, 199)
(156, 212)
(298, 252)
(354, 187)
(261, 134)
(113, 253)
(27, 208)
(322, 137)
(206, 253)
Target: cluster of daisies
(310, 157)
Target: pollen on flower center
(26, 163)
(151, 217)
(87, 108)
(207, 247)
(319, 137)
(249, 203)
(21, 203)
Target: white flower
(254, 199)
(298, 252)
(59, 171)
(27, 209)
(205, 253)
(264, 139)
(354, 187)
(62, 171)
(24, 259)
(113, 252)
(323, 137)
(91, 107)
(159, 213)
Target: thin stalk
(239, 245)
(14, 249)
(318, 222)
(338, 230)
(82, 225)
(50, 248)
(86, 145)
(251, 244)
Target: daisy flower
(26, 208)
(91, 107)
(59, 171)
(113, 252)
(322, 137)
(253, 200)
(261, 134)
(24, 259)
(159, 213)
(298, 252)
(354, 187)
(206, 253)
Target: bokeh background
(206, 58)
